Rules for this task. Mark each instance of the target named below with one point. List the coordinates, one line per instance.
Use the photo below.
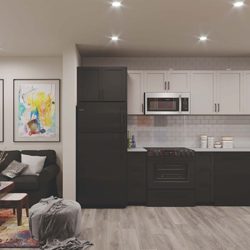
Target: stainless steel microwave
(166, 103)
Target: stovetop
(170, 152)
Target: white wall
(71, 60)
(25, 68)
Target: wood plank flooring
(167, 228)
(163, 228)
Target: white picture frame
(36, 110)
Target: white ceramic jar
(210, 142)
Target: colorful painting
(1, 110)
(36, 110)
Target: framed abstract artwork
(1, 110)
(36, 110)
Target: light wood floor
(164, 228)
(146, 228)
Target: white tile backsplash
(184, 131)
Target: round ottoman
(54, 218)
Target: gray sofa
(37, 187)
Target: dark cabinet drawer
(171, 198)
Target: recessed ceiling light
(203, 38)
(116, 4)
(238, 4)
(114, 38)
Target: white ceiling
(146, 27)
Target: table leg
(19, 215)
(27, 210)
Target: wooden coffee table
(17, 201)
(6, 187)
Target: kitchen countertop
(141, 149)
(221, 149)
(137, 150)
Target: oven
(164, 172)
(170, 177)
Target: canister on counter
(210, 142)
(203, 139)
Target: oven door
(166, 103)
(166, 172)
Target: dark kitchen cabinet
(101, 179)
(232, 179)
(102, 172)
(137, 178)
(113, 84)
(101, 84)
(204, 171)
(102, 117)
(88, 84)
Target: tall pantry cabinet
(101, 137)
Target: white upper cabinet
(155, 81)
(135, 92)
(202, 93)
(178, 81)
(166, 81)
(212, 92)
(245, 93)
(227, 96)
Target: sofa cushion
(14, 169)
(12, 155)
(51, 155)
(26, 182)
(35, 164)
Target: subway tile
(186, 130)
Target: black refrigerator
(101, 137)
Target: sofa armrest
(49, 173)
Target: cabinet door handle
(165, 85)
(81, 110)
(215, 107)
(218, 107)
(180, 108)
(168, 85)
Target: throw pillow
(14, 169)
(35, 163)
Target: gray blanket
(69, 244)
(55, 223)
